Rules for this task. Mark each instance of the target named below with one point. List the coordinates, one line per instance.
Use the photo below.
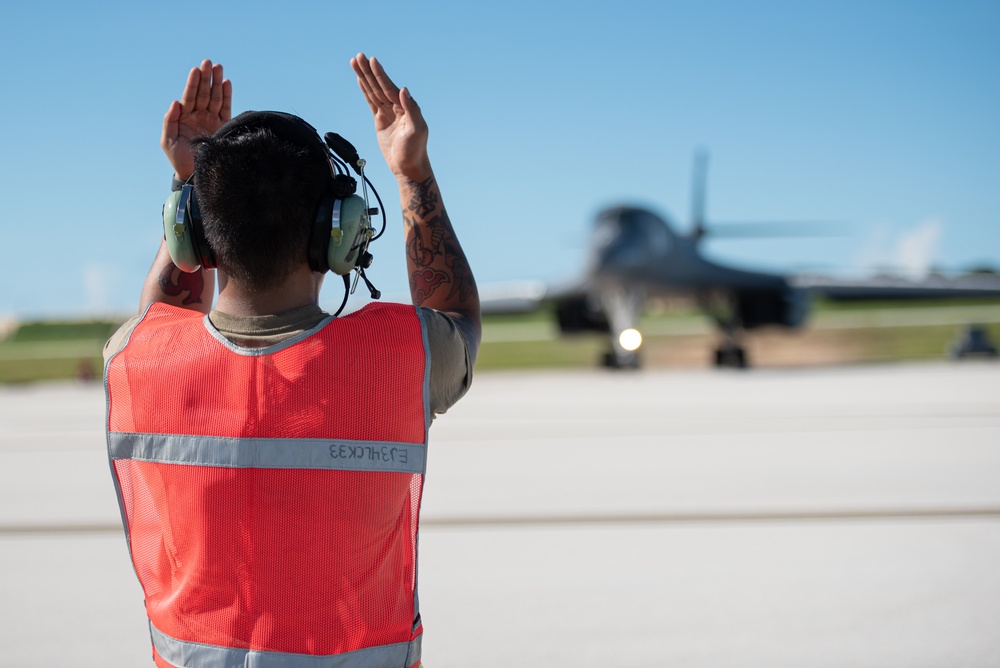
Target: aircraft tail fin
(747, 229)
(699, 188)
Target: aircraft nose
(629, 238)
(616, 247)
(622, 255)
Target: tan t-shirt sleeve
(451, 364)
(118, 339)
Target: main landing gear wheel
(731, 356)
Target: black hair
(258, 194)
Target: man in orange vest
(268, 458)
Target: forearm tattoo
(433, 248)
(173, 282)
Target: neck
(299, 289)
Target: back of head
(259, 191)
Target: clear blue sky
(884, 115)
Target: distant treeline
(63, 331)
(55, 350)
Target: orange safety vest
(271, 496)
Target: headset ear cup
(354, 230)
(322, 235)
(177, 230)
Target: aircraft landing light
(630, 339)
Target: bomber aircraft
(635, 253)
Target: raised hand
(401, 129)
(205, 105)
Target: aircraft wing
(898, 287)
(514, 297)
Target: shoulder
(120, 337)
(450, 364)
(156, 310)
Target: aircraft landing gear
(622, 303)
(723, 309)
(730, 355)
(618, 360)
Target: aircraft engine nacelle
(579, 314)
(788, 307)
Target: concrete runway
(809, 517)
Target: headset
(342, 228)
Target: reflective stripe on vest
(274, 453)
(181, 653)
(271, 496)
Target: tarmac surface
(844, 516)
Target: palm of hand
(399, 124)
(190, 127)
(402, 138)
(196, 124)
(204, 107)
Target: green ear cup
(349, 235)
(177, 230)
